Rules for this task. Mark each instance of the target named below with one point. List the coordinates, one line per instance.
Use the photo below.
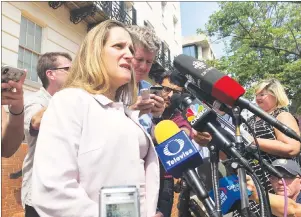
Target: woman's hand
(251, 187)
(13, 96)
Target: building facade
(198, 46)
(30, 29)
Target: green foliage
(265, 42)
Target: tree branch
(244, 28)
(294, 39)
(237, 19)
(275, 49)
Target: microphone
(225, 89)
(229, 193)
(218, 85)
(179, 157)
(229, 134)
(176, 77)
(202, 118)
(175, 150)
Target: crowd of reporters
(90, 114)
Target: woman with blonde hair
(88, 138)
(271, 97)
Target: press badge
(119, 201)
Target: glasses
(261, 95)
(285, 176)
(168, 90)
(64, 68)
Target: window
(29, 48)
(190, 51)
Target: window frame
(195, 47)
(29, 80)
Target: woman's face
(118, 54)
(265, 100)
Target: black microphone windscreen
(175, 100)
(178, 79)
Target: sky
(195, 15)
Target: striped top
(265, 131)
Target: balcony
(163, 62)
(95, 12)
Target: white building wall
(163, 25)
(58, 34)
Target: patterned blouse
(265, 131)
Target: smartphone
(9, 73)
(145, 93)
(157, 90)
(119, 201)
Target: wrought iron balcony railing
(116, 11)
(163, 57)
(98, 11)
(94, 12)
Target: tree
(265, 42)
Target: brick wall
(174, 212)
(11, 188)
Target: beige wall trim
(10, 35)
(16, 21)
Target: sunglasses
(64, 68)
(168, 90)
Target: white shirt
(84, 144)
(33, 104)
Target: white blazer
(83, 146)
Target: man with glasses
(170, 113)
(166, 193)
(52, 69)
(292, 173)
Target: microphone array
(212, 90)
(215, 85)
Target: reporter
(271, 97)
(292, 173)
(147, 46)
(52, 69)
(13, 128)
(88, 138)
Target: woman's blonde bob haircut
(88, 70)
(274, 87)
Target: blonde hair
(88, 71)
(145, 37)
(276, 89)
